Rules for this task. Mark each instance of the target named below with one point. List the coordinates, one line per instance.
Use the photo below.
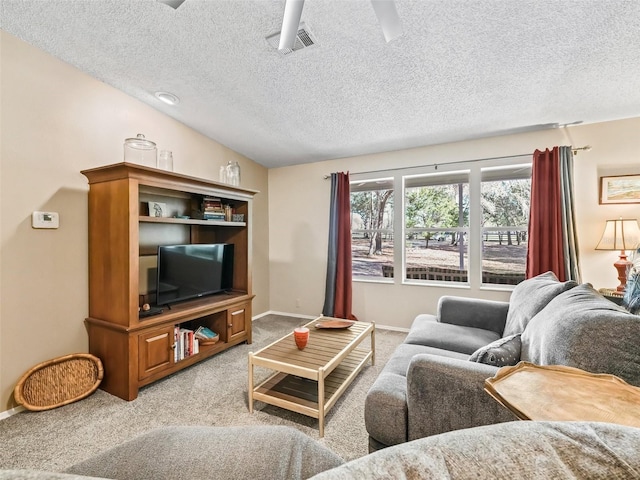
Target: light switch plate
(45, 220)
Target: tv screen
(191, 271)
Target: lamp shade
(621, 234)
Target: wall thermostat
(45, 220)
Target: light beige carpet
(213, 392)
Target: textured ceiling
(463, 68)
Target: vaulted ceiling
(462, 69)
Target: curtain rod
(575, 151)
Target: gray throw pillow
(531, 296)
(504, 351)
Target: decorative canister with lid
(141, 151)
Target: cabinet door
(238, 319)
(155, 351)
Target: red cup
(301, 336)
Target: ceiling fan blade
(388, 18)
(172, 3)
(290, 23)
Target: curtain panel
(553, 242)
(338, 296)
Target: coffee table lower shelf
(301, 395)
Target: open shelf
(191, 221)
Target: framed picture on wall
(620, 189)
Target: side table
(560, 393)
(612, 294)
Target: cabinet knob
(230, 325)
(173, 347)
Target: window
(505, 194)
(372, 228)
(436, 219)
(465, 226)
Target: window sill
(460, 285)
(497, 288)
(455, 285)
(373, 280)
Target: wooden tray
(335, 324)
(561, 393)
(58, 382)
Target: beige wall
(299, 205)
(55, 122)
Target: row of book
(212, 209)
(187, 342)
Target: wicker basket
(58, 382)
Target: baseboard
(392, 328)
(311, 317)
(284, 314)
(11, 412)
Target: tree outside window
(372, 228)
(505, 195)
(437, 227)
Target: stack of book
(212, 209)
(204, 333)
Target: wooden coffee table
(559, 393)
(310, 381)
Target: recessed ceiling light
(168, 98)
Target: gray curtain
(330, 288)
(571, 253)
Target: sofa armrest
(198, 452)
(473, 312)
(445, 394)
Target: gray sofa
(434, 381)
(521, 450)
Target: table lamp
(621, 234)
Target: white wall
(57, 121)
(299, 206)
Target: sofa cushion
(473, 312)
(540, 450)
(504, 351)
(580, 328)
(531, 296)
(426, 331)
(385, 407)
(213, 452)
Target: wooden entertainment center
(123, 242)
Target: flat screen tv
(192, 271)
